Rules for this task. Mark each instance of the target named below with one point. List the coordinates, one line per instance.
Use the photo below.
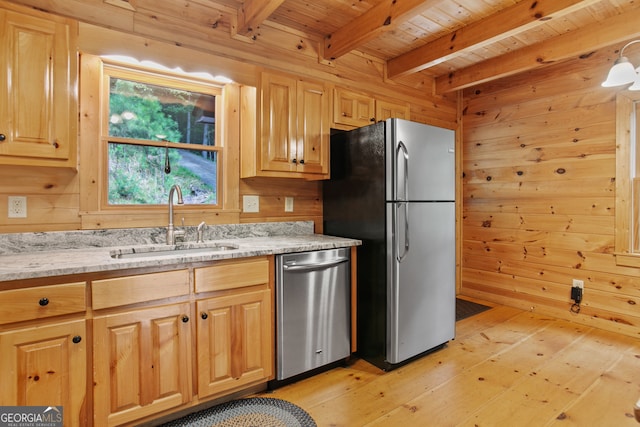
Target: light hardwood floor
(506, 367)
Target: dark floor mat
(253, 411)
(466, 308)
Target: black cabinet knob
(302, 161)
(294, 161)
(185, 319)
(2, 137)
(204, 315)
(76, 339)
(43, 301)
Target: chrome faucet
(200, 231)
(171, 232)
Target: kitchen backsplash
(13, 243)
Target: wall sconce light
(622, 72)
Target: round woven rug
(250, 412)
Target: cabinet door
(389, 110)
(353, 109)
(278, 127)
(46, 366)
(313, 128)
(37, 80)
(235, 343)
(142, 363)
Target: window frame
(627, 218)
(110, 70)
(95, 212)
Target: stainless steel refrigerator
(393, 186)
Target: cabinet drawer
(135, 289)
(232, 274)
(34, 303)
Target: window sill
(628, 260)
(155, 218)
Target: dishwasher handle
(315, 265)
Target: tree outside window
(160, 133)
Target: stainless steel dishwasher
(313, 309)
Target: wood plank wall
(53, 195)
(307, 200)
(52, 198)
(538, 195)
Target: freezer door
(421, 282)
(420, 161)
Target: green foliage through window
(155, 119)
(137, 176)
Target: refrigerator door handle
(401, 257)
(405, 157)
(403, 201)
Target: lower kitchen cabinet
(234, 341)
(46, 365)
(146, 345)
(144, 338)
(44, 362)
(142, 363)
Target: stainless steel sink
(149, 251)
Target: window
(159, 132)
(143, 130)
(627, 229)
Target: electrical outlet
(17, 207)
(576, 294)
(577, 290)
(251, 204)
(288, 204)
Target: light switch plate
(250, 204)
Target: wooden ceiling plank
(507, 22)
(253, 13)
(617, 29)
(383, 17)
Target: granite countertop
(35, 255)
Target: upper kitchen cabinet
(352, 109)
(38, 102)
(286, 125)
(390, 110)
